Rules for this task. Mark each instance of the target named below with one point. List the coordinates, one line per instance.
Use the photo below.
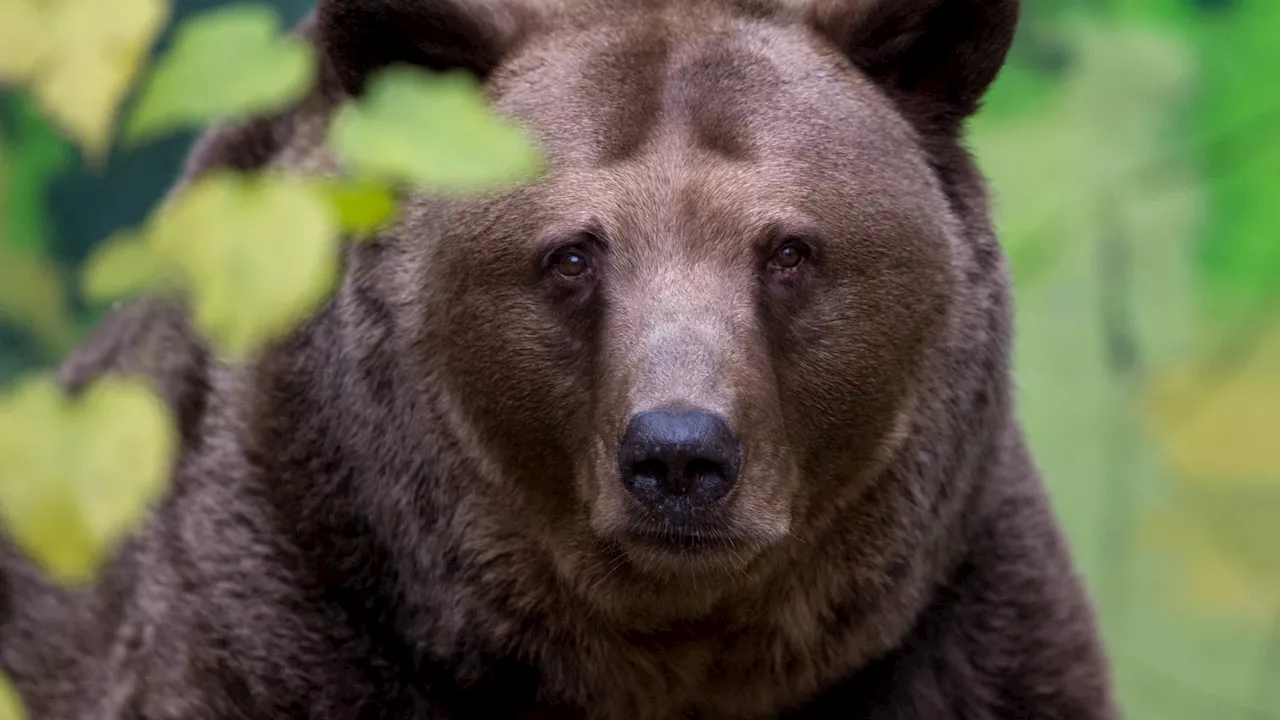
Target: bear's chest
(721, 678)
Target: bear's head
(708, 324)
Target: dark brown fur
(411, 507)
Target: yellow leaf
(1226, 540)
(35, 494)
(259, 254)
(125, 442)
(11, 707)
(23, 39)
(94, 52)
(1224, 427)
(124, 265)
(1214, 583)
(77, 475)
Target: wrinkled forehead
(742, 106)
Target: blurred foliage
(10, 706)
(33, 294)
(33, 297)
(254, 253)
(76, 474)
(1239, 150)
(361, 206)
(1134, 165)
(34, 153)
(78, 58)
(435, 131)
(1135, 168)
(199, 81)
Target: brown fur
(411, 507)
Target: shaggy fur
(411, 507)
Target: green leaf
(33, 296)
(226, 64)
(77, 475)
(123, 266)
(1238, 252)
(434, 131)
(34, 154)
(259, 253)
(362, 208)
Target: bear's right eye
(570, 262)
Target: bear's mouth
(685, 543)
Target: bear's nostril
(678, 461)
(652, 474)
(701, 473)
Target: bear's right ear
(360, 37)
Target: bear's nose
(676, 461)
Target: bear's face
(706, 322)
(708, 316)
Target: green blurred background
(1133, 148)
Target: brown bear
(713, 420)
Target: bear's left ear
(360, 37)
(936, 58)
